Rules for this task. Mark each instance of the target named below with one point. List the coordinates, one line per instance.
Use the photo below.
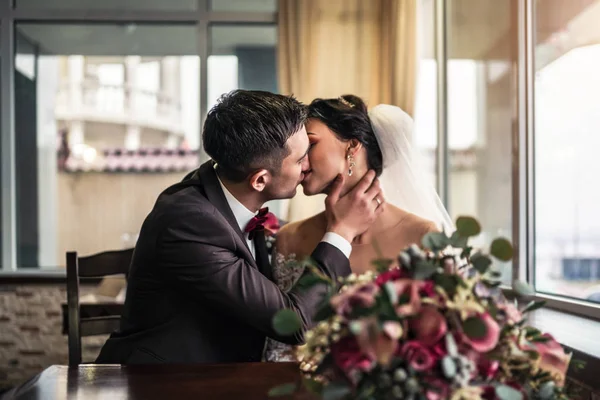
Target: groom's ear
(260, 179)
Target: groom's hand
(352, 214)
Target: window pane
(243, 57)
(154, 5)
(244, 5)
(115, 121)
(480, 116)
(567, 95)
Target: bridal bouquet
(432, 324)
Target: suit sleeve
(198, 253)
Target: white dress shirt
(243, 216)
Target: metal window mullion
(523, 149)
(7, 132)
(203, 53)
(441, 51)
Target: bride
(347, 138)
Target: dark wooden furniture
(94, 266)
(247, 381)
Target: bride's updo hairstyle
(348, 118)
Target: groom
(198, 287)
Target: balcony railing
(121, 104)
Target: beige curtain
(332, 47)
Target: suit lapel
(210, 182)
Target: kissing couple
(202, 287)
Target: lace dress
(286, 274)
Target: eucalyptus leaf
(501, 249)
(467, 226)
(451, 346)
(546, 391)
(449, 367)
(481, 262)
(456, 240)
(335, 391)
(286, 322)
(533, 305)
(505, 392)
(285, 389)
(435, 241)
(475, 328)
(424, 270)
(391, 292)
(313, 386)
(324, 312)
(522, 288)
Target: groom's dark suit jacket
(194, 292)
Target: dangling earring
(350, 159)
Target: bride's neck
(385, 221)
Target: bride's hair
(348, 118)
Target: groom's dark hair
(247, 130)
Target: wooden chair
(94, 266)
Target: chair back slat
(100, 325)
(97, 265)
(104, 264)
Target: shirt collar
(240, 212)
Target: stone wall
(31, 336)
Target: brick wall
(31, 336)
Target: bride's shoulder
(414, 222)
(295, 237)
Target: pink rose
(429, 326)
(553, 358)
(361, 296)
(348, 356)
(410, 289)
(511, 313)
(378, 344)
(417, 355)
(490, 340)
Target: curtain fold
(332, 47)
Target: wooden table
(148, 382)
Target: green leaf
(391, 292)
(466, 252)
(481, 262)
(467, 226)
(532, 306)
(313, 386)
(449, 367)
(456, 240)
(335, 391)
(522, 288)
(475, 328)
(446, 282)
(285, 389)
(501, 249)
(286, 322)
(324, 312)
(382, 264)
(505, 392)
(424, 270)
(435, 241)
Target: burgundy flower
(391, 275)
(378, 343)
(417, 355)
(359, 296)
(348, 356)
(488, 368)
(429, 326)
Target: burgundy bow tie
(264, 220)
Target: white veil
(403, 180)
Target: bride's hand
(352, 214)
